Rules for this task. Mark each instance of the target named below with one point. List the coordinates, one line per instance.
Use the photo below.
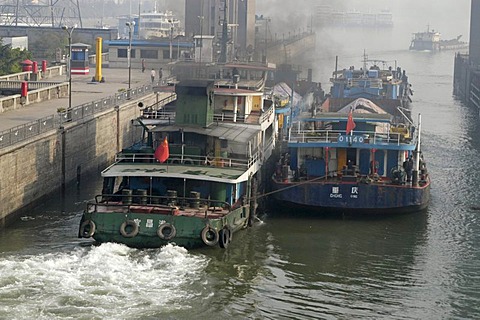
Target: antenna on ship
(365, 58)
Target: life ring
(87, 228)
(133, 225)
(209, 236)
(166, 231)
(224, 237)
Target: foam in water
(93, 281)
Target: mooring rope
(293, 186)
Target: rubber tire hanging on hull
(132, 233)
(87, 229)
(170, 235)
(210, 236)
(224, 237)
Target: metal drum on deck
(141, 196)
(218, 192)
(127, 196)
(172, 197)
(195, 199)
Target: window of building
(149, 54)
(166, 54)
(123, 53)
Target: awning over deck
(237, 132)
(223, 173)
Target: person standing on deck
(160, 75)
(152, 75)
(408, 166)
(143, 65)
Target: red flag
(350, 123)
(162, 153)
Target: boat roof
(357, 117)
(252, 66)
(284, 90)
(236, 92)
(211, 173)
(362, 105)
(237, 132)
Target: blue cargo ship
(362, 157)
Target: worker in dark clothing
(408, 166)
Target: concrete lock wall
(37, 168)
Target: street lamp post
(171, 39)
(69, 31)
(130, 26)
(200, 18)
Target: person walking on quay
(143, 65)
(152, 75)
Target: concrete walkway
(83, 91)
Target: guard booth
(80, 64)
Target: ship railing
(228, 116)
(266, 115)
(160, 104)
(360, 83)
(140, 201)
(253, 117)
(159, 115)
(338, 136)
(190, 160)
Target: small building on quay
(151, 53)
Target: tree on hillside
(10, 59)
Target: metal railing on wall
(78, 113)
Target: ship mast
(224, 41)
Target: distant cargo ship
(431, 41)
(327, 15)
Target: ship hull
(352, 198)
(142, 230)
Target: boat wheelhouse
(219, 136)
(428, 40)
(385, 86)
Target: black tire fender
(87, 229)
(224, 237)
(133, 225)
(162, 234)
(210, 236)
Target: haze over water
(417, 266)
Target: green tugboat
(192, 179)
